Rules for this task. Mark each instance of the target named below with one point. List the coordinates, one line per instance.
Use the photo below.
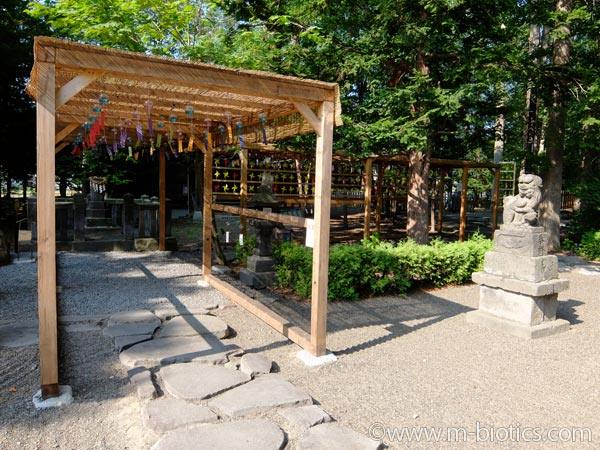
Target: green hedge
(589, 247)
(375, 267)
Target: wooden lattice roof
(131, 81)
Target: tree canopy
(443, 78)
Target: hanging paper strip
(123, 137)
(158, 140)
(102, 117)
(205, 135)
(172, 150)
(115, 149)
(190, 147)
(130, 151)
(180, 145)
(150, 127)
(138, 129)
(263, 120)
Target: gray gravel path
(402, 362)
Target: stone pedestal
(519, 285)
(96, 212)
(259, 270)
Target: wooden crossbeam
(74, 87)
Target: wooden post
(495, 200)
(46, 232)
(441, 189)
(207, 213)
(368, 195)
(318, 321)
(463, 205)
(243, 188)
(162, 193)
(379, 204)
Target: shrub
(590, 245)
(293, 268)
(243, 251)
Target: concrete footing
(314, 361)
(65, 397)
(521, 330)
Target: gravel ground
(402, 362)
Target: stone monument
(519, 285)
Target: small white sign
(241, 239)
(310, 233)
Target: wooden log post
(207, 214)
(162, 208)
(379, 197)
(462, 231)
(495, 200)
(441, 189)
(46, 231)
(368, 196)
(243, 187)
(318, 324)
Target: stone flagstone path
(199, 392)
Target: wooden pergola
(132, 92)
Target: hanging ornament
(221, 129)
(228, 122)
(103, 98)
(189, 110)
(263, 120)
(123, 136)
(91, 118)
(97, 108)
(239, 125)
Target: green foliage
(243, 251)
(590, 245)
(293, 268)
(442, 263)
(377, 267)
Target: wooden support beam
(275, 217)
(46, 231)
(59, 147)
(441, 189)
(320, 272)
(207, 215)
(243, 187)
(271, 318)
(462, 231)
(368, 194)
(65, 132)
(379, 204)
(310, 116)
(74, 87)
(495, 200)
(162, 208)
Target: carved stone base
(518, 329)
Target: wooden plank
(368, 194)
(74, 87)
(243, 188)
(463, 205)
(207, 215)
(172, 71)
(271, 318)
(65, 132)
(46, 231)
(275, 217)
(60, 146)
(309, 115)
(495, 200)
(162, 208)
(320, 272)
(379, 200)
(441, 189)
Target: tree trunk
(554, 140)
(417, 206)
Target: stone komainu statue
(521, 209)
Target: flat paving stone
(130, 329)
(167, 414)
(193, 381)
(142, 315)
(124, 342)
(194, 325)
(262, 394)
(331, 436)
(256, 434)
(19, 334)
(166, 351)
(141, 379)
(305, 417)
(255, 363)
(169, 313)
